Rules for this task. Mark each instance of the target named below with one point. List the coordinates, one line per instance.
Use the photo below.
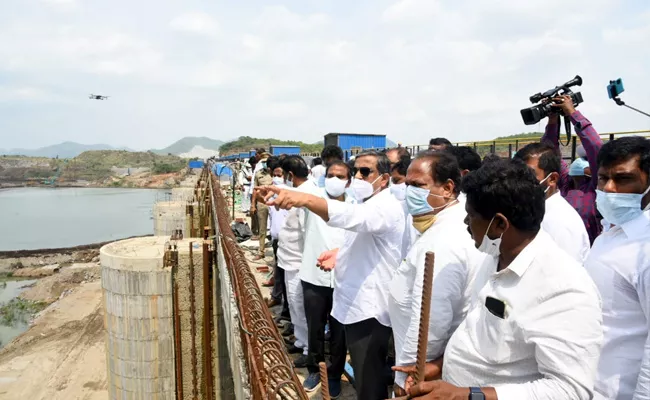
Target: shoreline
(59, 250)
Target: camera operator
(582, 198)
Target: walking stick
(423, 332)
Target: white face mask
(544, 180)
(335, 187)
(489, 246)
(398, 190)
(362, 189)
(288, 182)
(277, 180)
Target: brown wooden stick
(423, 334)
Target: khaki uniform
(262, 178)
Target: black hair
(295, 164)
(490, 158)
(402, 166)
(624, 149)
(272, 163)
(383, 163)
(439, 141)
(508, 187)
(444, 167)
(549, 157)
(331, 152)
(252, 160)
(339, 162)
(401, 152)
(467, 158)
(317, 161)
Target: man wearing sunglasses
(365, 263)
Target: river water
(37, 218)
(8, 291)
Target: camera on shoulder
(536, 113)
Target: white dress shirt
(291, 238)
(410, 233)
(317, 172)
(619, 263)
(370, 254)
(278, 218)
(547, 346)
(319, 237)
(563, 223)
(455, 258)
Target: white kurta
(455, 258)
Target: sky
(412, 69)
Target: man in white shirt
(318, 285)
(329, 154)
(365, 264)
(561, 221)
(278, 218)
(533, 329)
(431, 196)
(290, 250)
(318, 170)
(619, 263)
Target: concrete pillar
(182, 194)
(137, 298)
(168, 216)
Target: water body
(8, 291)
(38, 218)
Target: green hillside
(187, 143)
(524, 135)
(246, 143)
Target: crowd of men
(541, 287)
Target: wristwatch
(476, 394)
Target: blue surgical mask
(416, 200)
(619, 208)
(321, 181)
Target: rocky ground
(62, 354)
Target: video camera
(536, 113)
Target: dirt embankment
(62, 354)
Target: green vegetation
(164, 168)
(523, 135)
(187, 143)
(19, 310)
(96, 165)
(246, 143)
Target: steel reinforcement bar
(269, 366)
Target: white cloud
(296, 70)
(198, 23)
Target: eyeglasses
(365, 171)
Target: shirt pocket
(495, 337)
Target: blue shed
(352, 143)
(252, 153)
(244, 155)
(289, 150)
(196, 164)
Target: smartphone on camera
(615, 88)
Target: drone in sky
(97, 97)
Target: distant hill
(61, 150)
(187, 144)
(524, 135)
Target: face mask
(489, 246)
(423, 222)
(362, 189)
(288, 183)
(398, 190)
(416, 201)
(321, 181)
(335, 186)
(277, 180)
(263, 164)
(619, 208)
(544, 180)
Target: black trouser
(318, 305)
(368, 344)
(279, 291)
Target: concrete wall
(168, 216)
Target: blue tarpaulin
(222, 169)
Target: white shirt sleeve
(366, 217)
(642, 391)
(566, 356)
(447, 299)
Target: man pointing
(365, 263)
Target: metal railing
(270, 368)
